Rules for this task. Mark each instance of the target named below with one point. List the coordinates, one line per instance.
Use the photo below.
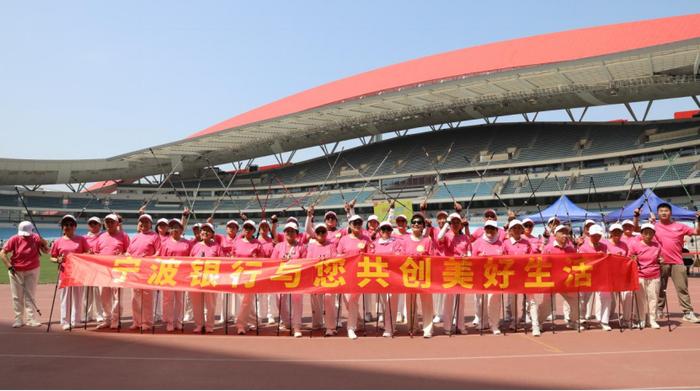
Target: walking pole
(87, 301)
(53, 301)
(377, 311)
(155, 310)
(69, 292)
(291, 328)
(453, 318)
(337, 318)
(257, 321)
(364, 311)
(503, 310)
(481, 315)
(391, 316)
(618, 298)
(279, 313)
(119, 309)
(141, 311)
(226, 313)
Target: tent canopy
(565, 211)
(627, 212)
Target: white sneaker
(103, 325)
(66, 327)
(399, 318)
(297, 334)
(427, 334)
(605, 327)
(436, 319)
(654, 325)
(351, 334)
(270, 320)
(690, 317)
(381, 319)
(387, 334)
(496, 332)
(33, 323)
(330, 332)
(17, 324)
(476, 321)
(536, 332)
(240, 331)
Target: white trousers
(492, 307)
(203, 309)
(645, 299)
(426, 303)
(570, 300)
(448, 312)
(111, 307)
(72, 305)
(142, 307)
(296, 310)
(21, 305)
(173, 308)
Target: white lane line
(340, 360)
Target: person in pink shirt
(387, 244)
(593, 243)
(111, 242)
(647, 252)
(354, 243)
(71, 297)
(489, 215)
(518, 244)
(561, 245)
(267, 244)
(401, 231)
(288, 250)
(628, 233)
(535, 242)
(247, 246)
(228, 241)
(196, 233)
(145, 243)
(418, 245)
(204, 303)
(489, 244)
(614, 243)
(173, 301)
(92, 293)
(23, 269)
(163, 229)
(670, 235)
(451, 242)
(321, 248)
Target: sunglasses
(321, 232)
(417, 222)
(386, 229)
(70, 224)
(356, 222)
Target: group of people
(656, 247)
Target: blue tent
(627, 212)
(565, 211)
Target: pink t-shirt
(454, 244)
(535, 243)
(630, 239)
(63, 246)
(206, 249)
(424, 246)
(25, 251)
(144, 244)
(316, 250)
(227, 243)
(352, 245)
(620, 248)
(670, 236)
(302, 237)
(112, 244)
(266, 246)
(553, 248)
(588, 248)
(647, 258)
(247, 249)
(391, 246)
(335, 236)
(284, 250)
(481, 247)
(175, 248)
(163, 238)
(480, 232)
(517, 247)
(92, 240)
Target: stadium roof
(653, 59)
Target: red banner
(359, 274)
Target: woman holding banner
(354, 243)
(490, 243)
(111, 242)
(204, 304)
(173, 301)
(247, 246)
(451, 242)
(387, 244)
(289, 249)
(647, 253)
(71, 297)
(418, 245)
(321, 248)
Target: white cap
(264, 222)
(197, 225)
(147, 217)
(163, 221)
(320, 225)
(291, 225)
(207, 225)
(453, 216)
(614, 227)
(401, 217)
(249, 222)
(177, 221)
(329, 214)
(25, 228)
(95, 219)
(68, 217)
(648, 225)
(627, 222)
(234, 222)
(528, 220)
(553, 218)
(385, 224)
(560, 227)
(515, 222)
(490, 211)
(596, 230)
(354, 217)
(373, 218)
(588, 222)
(112, 217)
(292, 218)
(442, 212)
(491, 223)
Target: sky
(97, 79)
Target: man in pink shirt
(356, 242)
(489, 215)
(560, 245)
(111, 242)
(290, 249)
(23, 267)
(647, 253)
(670, 235)
(145, 243)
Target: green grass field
(47, 276)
